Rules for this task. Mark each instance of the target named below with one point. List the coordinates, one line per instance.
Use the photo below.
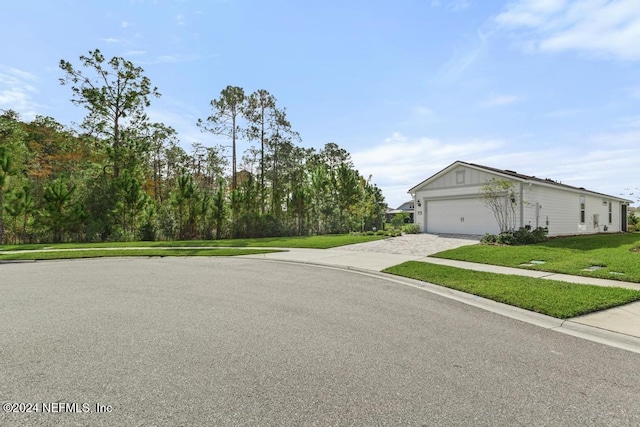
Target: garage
(459, 216)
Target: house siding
(545, 204)
(472, 177)
(559, 210)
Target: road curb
(602, 336)
(568, 326)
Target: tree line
(120, 176)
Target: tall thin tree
(226, 112)
(115, 93)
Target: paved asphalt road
(232, 341)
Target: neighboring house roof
(512, 175)
(406, 206)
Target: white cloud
(625, 139)
(124, 24)
(562, 114)
(453, 5)
(602, 28)
(402, 162)
(17, 91)
(461, 59)
(170, 59)
(629, 122)
(23, 75)
(457, 5)
(183, 119)
(604, 163)
(110, 40)
(530, 13)
(418, 116)
(499, 101)
(180, 20)
(167, 58)
(422, 111)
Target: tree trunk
(262, 196)
(116, 146)
(1, 221)
(234, 181)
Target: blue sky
(549, 88)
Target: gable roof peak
(515, 175)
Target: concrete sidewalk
(617, 326)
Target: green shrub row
(411, 229)
(389, 233)
(522, 236)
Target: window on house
(460, 177)
(582, 209)
(610, 213)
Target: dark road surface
(232, 341)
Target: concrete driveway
(376, 255)
(415, 244)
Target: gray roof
(519, 177)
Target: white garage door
(459, 216)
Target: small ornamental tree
(501, 197)
(399, 219)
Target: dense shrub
(540, 234)
(489, 239)
(522, 236)
(390, 233)
(506, 238)
(632, 222)
(399, 219)
(410, 229)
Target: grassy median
(557, 299)
(608, 256)
(99, 253)
(315, 242)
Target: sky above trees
(547, 88)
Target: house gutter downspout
(522, 202)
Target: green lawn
(558, 299)
(73, 254)
(315, 242)
(568, 255)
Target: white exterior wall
(472, 177)
(545, 205)
(560, 211)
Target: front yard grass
(557, 299)
(314, 242)
(100, 253)
(567, 255)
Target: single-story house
(451, 202)
(407, 207)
